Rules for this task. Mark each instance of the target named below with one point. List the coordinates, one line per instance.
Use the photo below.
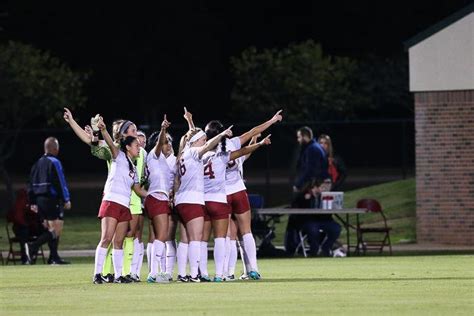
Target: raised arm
(247, 150)
(162, 136)
(82, 134)
(244, 138)
(107, 138)
(214, 141)
(189, 118)
(252, 141)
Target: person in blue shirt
(49, 196)
(312, 176)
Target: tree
(34, 85)
(299, 78)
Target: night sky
(147, 60)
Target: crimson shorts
(155, 207)
(239, 202)
(188, 212)
(115, 210)
(217, 210)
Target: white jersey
(191, 170)
(215, 165)
(120, 181)
(233, 177)
(161, 171)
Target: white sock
(170, 256)
(163, 261)
(149, 246)
(219, 256)
(100, 254)
(245, 259)
(135, 257)
(232, 257)
(117, 260)
(193, 254)
(227, 256)
(251, 251)
(182, 258)
(141, 250)
(203, 259)
(156, 254)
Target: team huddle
(200, 189)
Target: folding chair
(373, 206)
(14, 255)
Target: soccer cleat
(229, 278)
(151, 279)
(162, 278)
(244, 276)
(194, 280)
(122, 279)
(183, 279)
(169, 277)
(204, 278)
(135, 278)
(254, 275)
(129, 278)
(98, 279)
(218, 279)
(109, 278)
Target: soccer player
(236, 192)
(101, 150)
(189, 199)
(161, 170)
(114, 211)
(216, 207)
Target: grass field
(397, 198)
(418, 285)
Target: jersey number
(182, 167)
(208, 171)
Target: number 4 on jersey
(208, 171)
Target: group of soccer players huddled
(200, 189)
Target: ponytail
(124, 142)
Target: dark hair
(154, 138)
(306, 131)
(214, 128)
(124, 142)
(151, 142)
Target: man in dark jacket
(49, 196)
(312, 172)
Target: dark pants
(321, 230)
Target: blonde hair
(116, 129)
(186, 137)
(329, 142)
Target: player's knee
(105, 241)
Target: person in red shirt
(336, 167)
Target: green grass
(397, 198)
(416, 285)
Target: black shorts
(50, 209)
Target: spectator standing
(312, 178)
(336, 167)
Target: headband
(125, 126)
(197, 136)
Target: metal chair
(373, 206)
(15, 255)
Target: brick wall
(444, 123)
